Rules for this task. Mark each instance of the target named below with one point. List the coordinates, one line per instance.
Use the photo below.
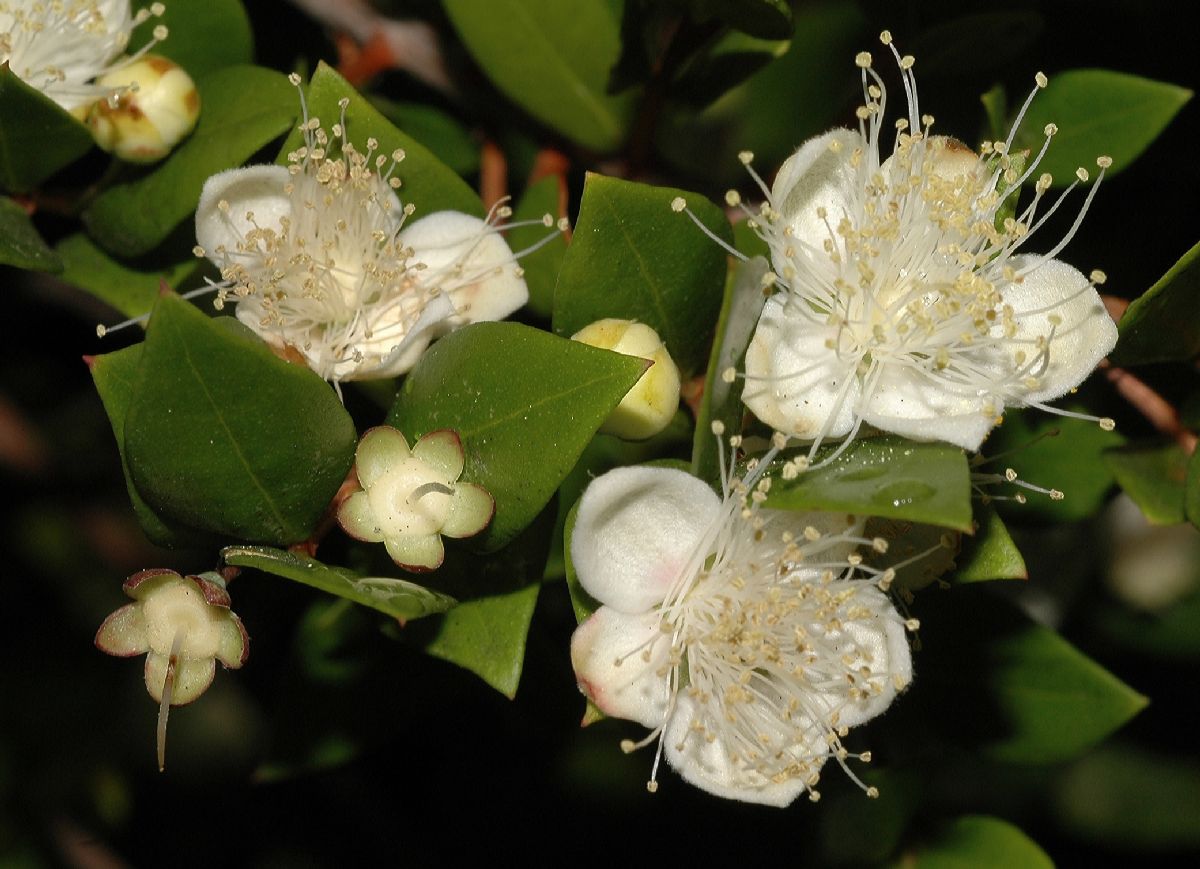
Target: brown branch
(1159, 412)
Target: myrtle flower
(321, 258)
(901, 304)
(183, 625)
(410, 498)
(61, 46)
(747, 639)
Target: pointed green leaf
(885, 476)
(428, 183)
(131, 290)
(1163, 324)
(20, 243)
(633, 257)
(437, 130)
(1154, 475)
(542, 266)
(397, 598)
(202, 36)
(224, 436)
(37, 137)
(243, 108)
(1097, 112)
(552, 59)
(995, 107)
(525, 404)
(979, 842)
(990, 553)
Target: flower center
(411, 499)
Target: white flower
(60, 46)
(743, 637)
(320, 259)
(901, 304)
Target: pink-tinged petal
(707, 765)
(470, 261)
(418, 554)
(906, 402)
(608, 651)
(358, 519)
(794, 382)
(635, 531)
(144, 580)
(442, 450)
(192, 677)
(471, 509)
(123, 633)
(234, 647)
(1085, 335)
(381, 449)
(257, 189)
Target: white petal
(707, 766)
(829, 551)
(793, 379)
(634, 688)
(436, 319)
(1085, 336)
(908, 403)
(470, 260)
(635, 531)
(257, 189)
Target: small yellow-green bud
(651, 403)
(157, 106)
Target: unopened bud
(156, 106)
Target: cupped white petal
(620, 664)
(192, 677)
(258, 190)
(907, 402)
(794, 382)
(635, 531)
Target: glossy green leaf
(114, 375)
(724, 65)
(131, 290)
(244, 108)
(428, 183)
(845, 814)
(995, 108)
(990, 553)
(1163, 324)
(886, 476)
(397, 598)
(633, 257)
(20, 243)
(999, 683)
(978, 842)
(37, 137)
(201, 36)
(224, 436)
(1154, 475)
(437, 130)
(722, 402)
(766, 19)
(542, 266)
(523, 423)
(1097, 112)
(552, 59)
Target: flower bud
(651, 403)
(157, 106)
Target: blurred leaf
(978, 842)
(582, 603)
(885, 476)
(1097, 111)
(37, 137)
(635, 258)
(542, 266)
(1154, 476)
(1173, 633)
(765, 19)
(845, 814)
(243, 109)
(1128, 798)
(722, 66)
(438, 131)
(20, 243)
(1163, 324)
(552, 59)
(740, 310)
(202, 36)
(990, 553)
(1071, 461)
(131, 290)
(523, 423)
(114, 375)
(1001, 684)
(428, 183)
(1191, 497)
(223, 435)
(397, 598)
(995, 108)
